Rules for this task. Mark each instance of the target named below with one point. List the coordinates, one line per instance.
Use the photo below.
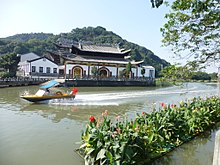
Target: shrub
(123, 141)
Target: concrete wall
(90, 83)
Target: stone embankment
(12, 82)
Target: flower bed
(148, 136)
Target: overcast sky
(134, 21)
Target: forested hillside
(24, 37)
(40, 42)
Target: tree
(10, 63)
(128, 70)
(94, 71)
(193, 30)
(214, 76)
(201, 76)
(176, 73)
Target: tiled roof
(100, 48)
(96, 59)
(28, 56)
(36, 59)
(89, 46)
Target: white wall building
(81, 71)
(79, 59)
(32, 65)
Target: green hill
(24, 37)
(40, 42)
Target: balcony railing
(44, 74)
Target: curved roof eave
(97, 51)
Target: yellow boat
(44, 94)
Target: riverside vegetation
(149, 135)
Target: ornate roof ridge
(69, 42)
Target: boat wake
(123, 97)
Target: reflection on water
(198, 151)
(48, 133)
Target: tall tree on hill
(9, 62)
(193, 30)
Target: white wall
(44, 63)
(147, 72)
(114, 70)
(24, 67)
(85, 68)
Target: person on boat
(47, 92)
(74, 91)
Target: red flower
(91, 118)
(143, 113)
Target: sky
(134, 21)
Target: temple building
(84, 60)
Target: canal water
(48, 134)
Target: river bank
(12, 82)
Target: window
(41, 69)
(54, 70)
(33, 69)
(48, 69)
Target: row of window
(41, 69)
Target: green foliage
(201, 76)
(192, 29)
(122, 73)
(24, 37)
(94, 71)
(5, 74)
(138, 141)
(128, 70)
(174, 73)
(9, 62)
(214, 76)
(32, 45)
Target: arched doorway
(77, 72)
(103, 72)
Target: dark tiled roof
(28, 56)
(41, 58)
(89, 46)
(100, 48)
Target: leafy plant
(147, 136)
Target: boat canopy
(50, 84)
